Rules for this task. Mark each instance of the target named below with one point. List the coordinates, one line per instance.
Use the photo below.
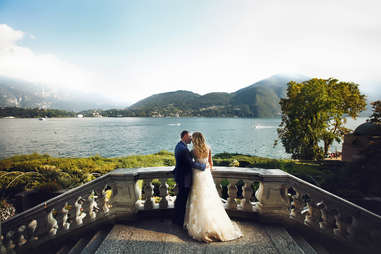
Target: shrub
(7, 210)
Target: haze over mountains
(260, 99)
(17, 93)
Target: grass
(319, 173)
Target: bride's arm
(210, 159)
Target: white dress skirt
(205, 217)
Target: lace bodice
(203, 160)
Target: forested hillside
(260, 99)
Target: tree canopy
(313, 114)
(376, 116)
(33, 112)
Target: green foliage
(376, 116)
(234, 163)
(46, 173)
(6, 210)
(34, 112)
(318, 173)
(313, 113)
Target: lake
(116, 137)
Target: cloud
(9, 36)
(47, 69)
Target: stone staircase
(159, 235)
(86, 242)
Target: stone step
(64, 249)
(303, 244)
(161, 236)
(95, 241)
(320, 249)
(78, 247)
(282, 240)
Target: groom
(183, 175)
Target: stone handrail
(117, 195)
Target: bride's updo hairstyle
(200, 148)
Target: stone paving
(161, 236)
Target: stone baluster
(66, 217)
(3, 249)
(219, 186)
(93, 206)
(52, 222)
(272, 199)
(148, 193)
(232, 195)
(312, 214)
(247, 193)
(79, 213)
(297, 205)
(327, 222)
(352, 227)
(32, 226)
(9, 240)
(106, 196)
(339, 231)
(21, 241)
(142, 194)
(163, 188)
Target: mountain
(260, 99)
(18, 93)
(178, 98)
(277, 83)
(263, 96)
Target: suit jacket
(184, 165)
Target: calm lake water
(115, 137)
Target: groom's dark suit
(183, 178)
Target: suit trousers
(181, 205)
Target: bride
(205, 217)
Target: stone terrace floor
(161, 236)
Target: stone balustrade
(121, 194)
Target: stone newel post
(125, 193)
(272, 198)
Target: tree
(313, 113)
(376, 116)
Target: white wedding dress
(205, 218)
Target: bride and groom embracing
(198, 207)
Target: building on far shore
(358, 141)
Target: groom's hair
(183, 133)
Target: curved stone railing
(103, 199)
(118, 195)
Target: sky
(128, 50)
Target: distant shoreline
(15, 112)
